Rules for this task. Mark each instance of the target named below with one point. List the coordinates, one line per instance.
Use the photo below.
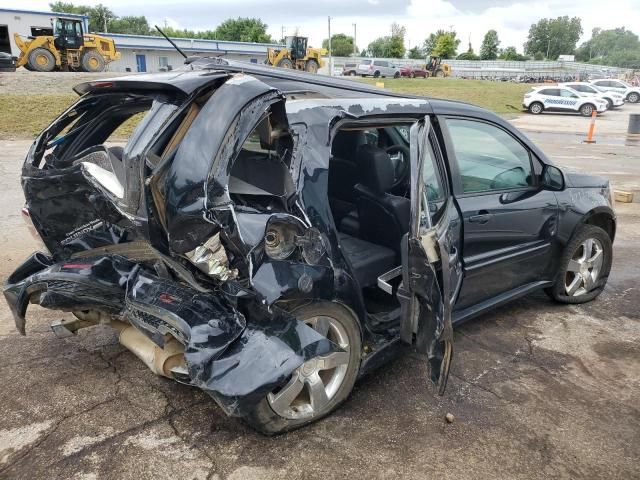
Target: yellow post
(380, 84)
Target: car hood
(582, 180)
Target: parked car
(561, 99)
(234, 249)
(7, 62)
(631, 93)
(413, 71)
(378, 68)
(350, 70)
(613, 99)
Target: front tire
(41, 60)
(584, 266)
(314, 391)
(587, 109)
(285, 63)
(536, 108)
(633, 97)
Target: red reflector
(102, 84)
(75, 266)
(25, 212)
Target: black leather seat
(383, 218)
(369, 261)
(343, 174)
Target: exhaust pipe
(168, 361)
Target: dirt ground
(538, 390)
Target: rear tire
(285, 63)
(609, 103)
(440, 73)
(587, 109)
(376, 75)
(41, 60)
(265, 419)
(92, 61)
(536, 108)
(633, 97)
(396, 75)
(570, 285)
(311, 66)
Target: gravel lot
(538, 390)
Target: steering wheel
(400, 157)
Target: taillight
(370, 68)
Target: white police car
(630, 93)
(613, 99)
(561, 99)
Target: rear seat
(368, 260)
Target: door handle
(482, 217)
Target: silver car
(378, 68)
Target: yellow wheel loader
(295, 54)
(68, 49)
(435, 67)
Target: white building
(139, 53)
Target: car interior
(368, 190)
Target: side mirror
(552, 178)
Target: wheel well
(604, 221)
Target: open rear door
(432, 272)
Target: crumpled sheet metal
(234, 361)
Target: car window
(381, 63)
(616, 84)
(365, 62)
(549, 91)
(567, 94)
(488, 157)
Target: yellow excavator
(69, 48)
(295, 54)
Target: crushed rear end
(144, 237)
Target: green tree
(243, 30)
(416, 53)
(396, 42)
(99, 16)
(341, 45)
(430, 42)
(468, 55)
(538, 56)
(510, 53)
(554, 36)
(446, 45)
(130, 25)
(489, 47)
(380, 47)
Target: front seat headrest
(346, 143)
(375, 169)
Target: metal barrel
(634, 123)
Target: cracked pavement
(537, 389)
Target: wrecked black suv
(271, 236)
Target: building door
(141, 63)
(5, 44)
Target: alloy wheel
(633, 97)
(316, 382)
(584, 268)
(536, 108)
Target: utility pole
(330, 53)
(282, 31)
(355, 44)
